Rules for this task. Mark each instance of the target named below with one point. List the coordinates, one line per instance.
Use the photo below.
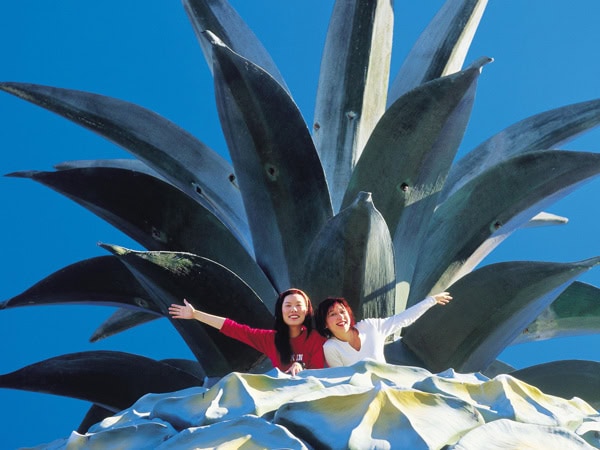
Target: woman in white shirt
(349, 342)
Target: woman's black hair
(282, 337)
(323, 309)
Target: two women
(350, 342)
(291, 346)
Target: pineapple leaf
(113, 380)
(172, 276)
(491, 306)
(485, 211)
(407, 158)
(353, 257)
(121, 320)
(219, 17)
(276, 164)
(155, 214)
(540, 132)
(182, 159)
(442, 47)
(350, 100)
(575, 312)
(102, 281)
(566, 378)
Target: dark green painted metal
(112, 380)
(491, 306)
(172, 276)
(181, 158)
(220, 18)
(279, 172)
(407, 158)
(352, 257)
(574, 313)
(352, 84)
(102, 281)
(121, 320)
(543, 131)
(566, 379)
(157, 215)
(476, 218)
(442, 47)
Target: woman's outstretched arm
(187, 311)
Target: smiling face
(293, 309)
(338, 320)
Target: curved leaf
(407, 158)
(424, 126)
(354, 78)
(135, 165)
(98, 413)
(491, 306)
(185, 161)
(574, 313)
(566, 379)
(121, 320)
(112, 380)
(219, 17)
(540, 132)
(96, 281)
(442, 47)
(352, 257)
(484, 212)
(279, 172)
(155, 214)
(172, 276)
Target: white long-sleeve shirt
(372, 334)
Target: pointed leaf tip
(212, 38)
(23, 174)
(363, 197)
(116, 250)
(480, 62)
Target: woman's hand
(295, 368)
(185, 311)
(442, 298)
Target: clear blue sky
(145, 52)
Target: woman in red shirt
(291, 346)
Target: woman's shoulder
(317, 337)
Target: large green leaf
(100, 281)
(276, 164)
(181, 158)
(476, 218)
(442, 47)
(407, 158)
(113, 380)
(352, 84)
(219, 17)
(566, 379)
(575, 312)
(352, 257)
(172, 276)
(491, 306)
(155, 214)
(540, 132)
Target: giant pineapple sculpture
(366, 201)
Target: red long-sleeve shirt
(307, 349)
